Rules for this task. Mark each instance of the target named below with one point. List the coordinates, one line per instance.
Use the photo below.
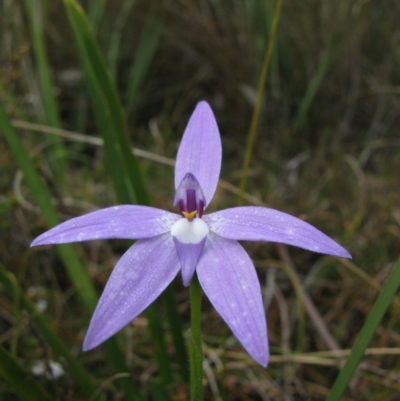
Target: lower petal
(139, 277)
(189, 255)
(229, 280)
(189, 238)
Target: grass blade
(145, 53)
(375, 316)
(159, 344)
(257, 107)
(95, 12)
(34, 10)
(107, 106)
(24, 385)
(115, 41)
(35, 13)
(75, 369)
(76, 272)
(175, 325)
(313, 86)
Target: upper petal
(229, 280)
(139, 277)
(126, 221)
(262, 224)
(200, 151)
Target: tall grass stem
(374, 318)
(35, 13)
(260, 92)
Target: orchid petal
(139, 277)
(189, 238)
(189, 255)
(263, 224)
(126, 221)
(229, 280)
(200, 151)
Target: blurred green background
(327, 149)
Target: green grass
(325, 148)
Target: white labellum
(189, 232)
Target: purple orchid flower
(189, 242)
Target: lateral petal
(125, 221)
(139, 277)
(229, 280)
(253, 223)
(200, 151)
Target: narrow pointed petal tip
(230, 282)
(251, 223)
(139, 277)
(200, 151)
(86, 346)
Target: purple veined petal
(139, 277)
(229, 280)
(125, 221)
(189, 196)
(200, 151)
(263, 224)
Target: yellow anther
(191, 215)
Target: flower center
(190, 216)
(190, 232)
(189, 197)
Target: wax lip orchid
(190, 242)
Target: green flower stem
(196, 354)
